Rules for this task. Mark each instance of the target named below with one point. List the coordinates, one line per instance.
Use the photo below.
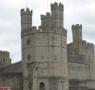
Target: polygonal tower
(57, 15)
(26, 25)
(77, 38)
(77, 34)
(26, 19)
(44, 52)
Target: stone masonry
(48, 62)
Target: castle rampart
(57, 6)
(77, 26)
(26, 12)
(4, 58)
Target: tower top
(77, 26)
(26, 11)
(57, 6)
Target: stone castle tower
(77, 34)
(84, 49)
(77, 37)
(4, 59)
(44, 50)
(48, 62)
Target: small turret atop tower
(77, 26)
(26, 19)
(56, 6)
(57, 14)
(26, 12)
(77, 34)
(53, 20)
(4, 58)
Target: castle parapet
(77, 26)
(43, 17)
(26, 11)
(46, 21)
(34, 28)
(48, 14)
(57, 6)
(90, 46)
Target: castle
(48, 62)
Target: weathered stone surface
(48, 62)
(4, 59)
(12, 80)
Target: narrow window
(29, 57)
(28, 42)
(42, 86)
(28, 65)
(3, 60)
(42, 57)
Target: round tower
(44, 55)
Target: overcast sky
(76, 12)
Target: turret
(57, 15)
(77, 34)
(46, 21)
(26, 39)
(4, 58)
(26, 19)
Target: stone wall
(16, 67)
(78, 71)
(12, 80)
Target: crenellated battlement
(26, 11)
(77, 26)
(46, 20)
(26, 18)
(48, 14)
(44, 16)
(77, 34)
(34, 30)
(57, 6)
(90, 46)
(4, 53)
(84, 43)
